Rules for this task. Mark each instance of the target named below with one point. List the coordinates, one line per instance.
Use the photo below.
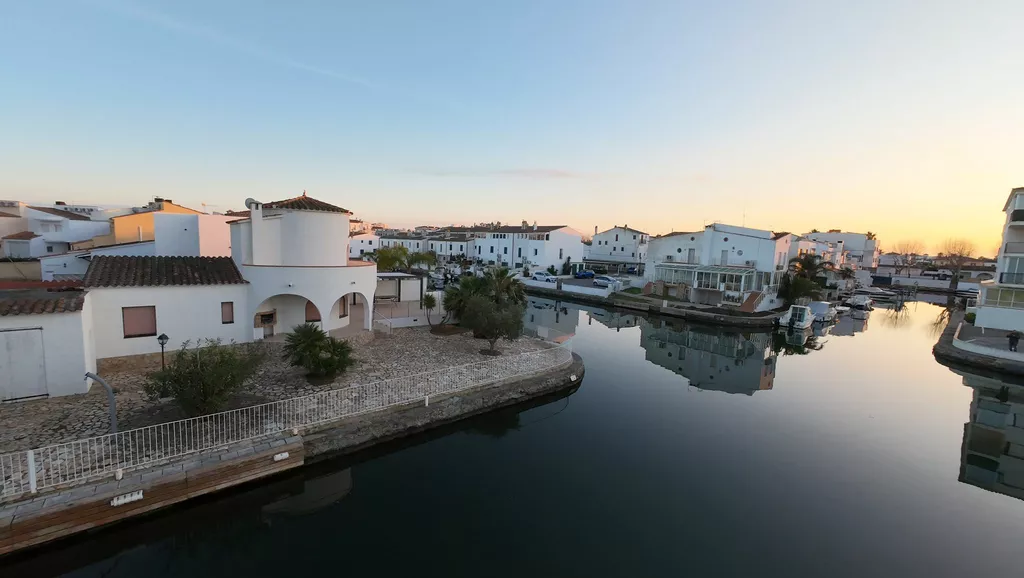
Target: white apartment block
(722, 264)
(862, 252)
(1001, 301)
(618, 246)
(362, 243)
(51, 231)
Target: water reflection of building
(853, 323)
(317, 493)
(992, 453)
(551, 314)
(729, 362)
(613, 319)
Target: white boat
(842, 309)
(860, 303)
(823, 311)
(798, 317)
(876, 294)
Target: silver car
(604, 281)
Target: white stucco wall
(362, 244)
(176, 234)
(214, 235)
(143, 249)
(66, 354)
(314, 239)
(66, 264)
(321, 285)
(183, 313)
(629, 247)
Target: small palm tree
(312, 348)
(502, 286)
(428, 304)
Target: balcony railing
(1017, 215)
(1012, 278)
(1015, 247)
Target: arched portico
(278, 314)
(353, 311)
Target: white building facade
(1001, 301)
(618, 246)
(862, 251)
(722, 264)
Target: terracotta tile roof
(60, 213)
(2, 215)
(528, 229)
(21, 236)
(237, 213)
(31, 302)
(304, 203)
(777, 236)
(65, 284)
(141, 271)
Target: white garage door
(22, 371)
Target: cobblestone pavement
(39, 423)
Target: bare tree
(957, 253)
(905, 256)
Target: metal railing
(104, 456)
(1014, 247)
(1012, 278)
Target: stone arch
(352, 308)
(278, 314)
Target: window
(361, 251)
(547, 237)
(312, 313)
(460, 248)
(559, 253)
(613, 249)
(492, 248)
(616, 237)
(370, 242)
(534, 252)
(632, 254)
(227, 312)
(634, 237)
(519, 252)
(139, 321)
(49, 248)
(504, 250)
(343, 307)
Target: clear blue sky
(906, 118)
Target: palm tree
(502, 286)
(427, 258)
(808, 266)
(394, 258)
(457, 296)
(428, 303)
(320, 354)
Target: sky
(901, 118)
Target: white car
(604, 281)
(546, 277)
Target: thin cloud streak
(522, 173)
(132, 10)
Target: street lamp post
(162, 340)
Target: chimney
(535, 225)
(595, 229)
(158, 199)
(525, 224)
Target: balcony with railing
(1017, 217)
(734, 262)
(1014, 248)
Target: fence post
(32, 470)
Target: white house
(617, 246)
(722, 264)
(450, 247)
(175, 234)
(533, 246)
(861, 250)
(361, 244)
(57, 229)
(1001, 300)
(294, 254)
(414, 242)
(45, 343)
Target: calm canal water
(686, 452)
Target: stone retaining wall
(692, 314)
(952, 356)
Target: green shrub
(970, 318)
(321, 355)
(552, 270)
(493, 320)
(204, 378)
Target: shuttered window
(227, 312)
(312, 313)
(139, 321)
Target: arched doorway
(349, 315)
(277, 315)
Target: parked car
(604, 281)
(546, 277)
(632, 270)
(588, 274)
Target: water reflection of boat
(317, 493)
(740, 363)
(992, 452)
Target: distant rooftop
(305, 203)
(60, 213)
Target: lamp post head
(163, 339)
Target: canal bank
(64, 511)
(957, 354)
(714, 317)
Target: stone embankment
(56, 513)
(956, 358)
(736, 319)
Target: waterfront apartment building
(617, 248)
(722, 264)
(1001, 300)
(862, 249)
